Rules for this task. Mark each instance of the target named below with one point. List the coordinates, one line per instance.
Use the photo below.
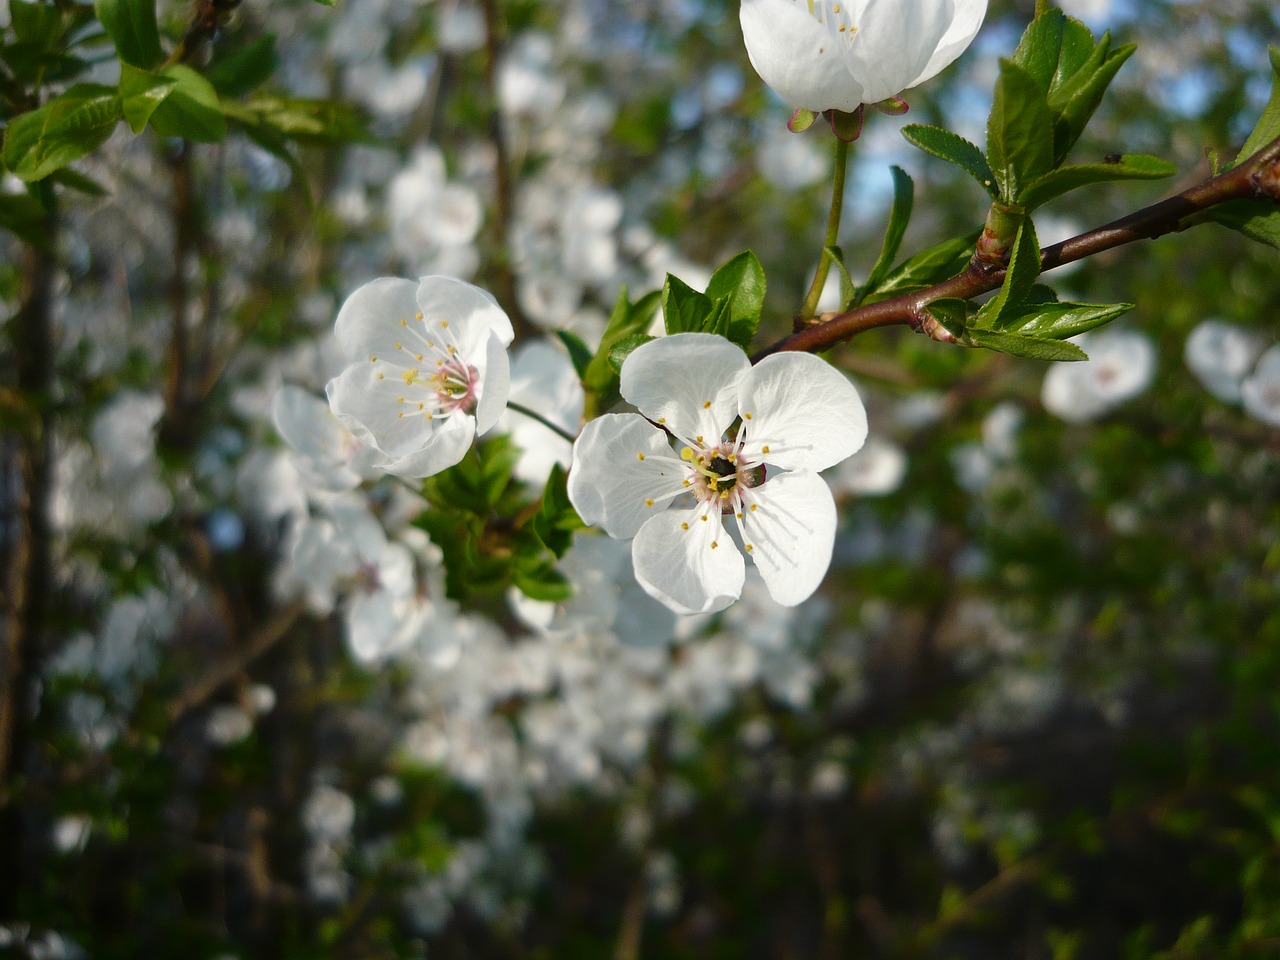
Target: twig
(1256, 178)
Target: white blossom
(1121, 365)
(1261, 389)
(429, 370)
(794, 415)
(838, 54)
(1221, 354)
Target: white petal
(798, 56)
(676, 562)
(686, 382)
(609, 484)
(494, 386)
(446, 446)
(791, 534)
(968, 18)
(894, 43)
(369, 323)
(805, 410)
(451, 299)
(362, 396)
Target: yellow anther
(422, 406)
(382, 376)
(373, 358)
(684, 526)
(431, 344)
(444, 324)
(750, 548)
(399, 345)
(399, 399)
(703, 518)
(754, 507)
(404, 323)
(706, 404)
(410, 375)
(399, 416)
(699, 439)
(639, 456)
(662, 420)
(765, 448)
(686, 454)
(738, 514)
(418, 315)
(418, 357)
(714, 544)
(649, 502)
(687, 483)
(746, 416)
(452, 351)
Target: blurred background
(1033, 712)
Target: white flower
(1220, 355)
(542, 379)
(794, 415)
(1121, 365)
(329, 457)
(1261, 389)
(838, 54)
(429, 370)
(876, 469)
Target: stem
(534, 415)
(26, 578)
(1042, 7)
(504, 193)
(1256, 178)
(833, 229)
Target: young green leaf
(1040, 46)
(541, 581)
(38, 25)
(626, 320)
(1080, 96)
(1029, 347)
(245, 70)
(742, 282)
(1059, 321)
(684, 309)
(1019, 132)
(1133, 166)
(24, 217)
(68, 127)
(1019, 279)
(904, 192)
(556, 521)
(191, 109)
(848, 289)
(131, 24)
(931, 265)
(952, 313)
(1268, 127)
(579, 352)
(140, 93)
(1257, 219)
(1076, 48)
(953, 148)
(619, 352)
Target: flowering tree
(437, 514)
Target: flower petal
(610, 483)
(968, 18)
(894, 43)
(495, 385)
(449, 298)
(446, 446)
(688, 561)
(798, 56)
(791, 534)
(373, 403)
(802, 408)
(374, 317)
(686, 382)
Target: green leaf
(78, 181)
(328, 3)
(904, 192)
(65, 129)
(931, 265)
(1028, 347)
(684, 309)
(131, 24)
(1039, 48)
(1257, 219)
(1059, 321)
(953, 148)
(1132, 166)
(191, 109)
(1019, 279)
(298, 118)
(619, 352)
(245, 70)
(23, 216)
(627, 319)
(140, 93)
(951, 312)
(1076, 110)
(542, 582)
(1077, 47)
(742, 282)
(34, 23)
(556, 521)
(1268, 127)
(579, 352)
(848, 289)
(1019, 132)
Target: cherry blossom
(1121, 365)
(750, 443)
(429, 370)
(839, 54)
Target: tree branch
(1258, 177)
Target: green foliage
(65, 129)
(140, 93)
(1268, 126)
(627, 320)
(1019, 279)
(931, 265)
(246, 69)
(131, 24)
(894, 231)
(953, 148)
(1017, 146)
(190, 109)
(1065, 179)
(741, 282)
(1032, 348)
(556, 520)
(24, 216)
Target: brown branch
(1256, 178)
(504, 195)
